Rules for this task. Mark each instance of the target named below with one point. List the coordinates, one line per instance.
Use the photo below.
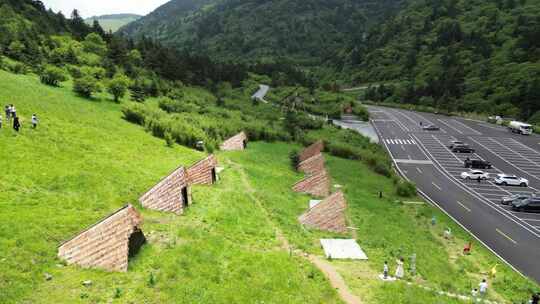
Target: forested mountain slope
(467, 55)
(257, 30)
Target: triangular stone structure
(171, 194)
(237, 142)
(108, 244)
(203, 172)
(311, 151)
(312, 165)
(327, 215)
(317, 184)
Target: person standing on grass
(13, 111)
(385, 270)
(400, 272)
(535, 299)
(16, 124)
(7, 110)
(483, 287)
(34, 121)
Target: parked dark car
(531, 204)
(462, 149)
(431, 128)
(477, 164)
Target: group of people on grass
(11, 115)
(477, 293)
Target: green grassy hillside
(83, 162)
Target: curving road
(424, 157)
(261, 93)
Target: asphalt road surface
(261, 93)
(424, 158)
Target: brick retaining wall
(167, 194)
(104, 245)
(312, 165)
(203, 172)
(317, 184)
(328, 214)
(237, 142)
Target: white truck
(520, 128)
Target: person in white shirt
(483, 286)
(34, 121)
(13, 111)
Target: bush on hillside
(52, 75)
(86, 86)
(118, 86)
(295, 159)
(405, 189)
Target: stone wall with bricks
(312, 165)
(104, 245)
(167, 194)
(317, 184)
(327, 215)
(203, 172)
(311, 151)
(237, 142)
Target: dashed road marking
(436, 186)
(506, 236)
(419, 170)
(464, 207)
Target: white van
(520, 127)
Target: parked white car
(475, 174)
(511, 180)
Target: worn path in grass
(336, 280)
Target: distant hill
(306, 31)
(113, 22)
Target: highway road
(424, 158)
(261, 93)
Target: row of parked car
(518, 202)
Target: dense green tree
(86, 86)
(52, 75)
(118, 86)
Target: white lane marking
(414, 143)
(436, 186)
(528, 219)
(419, 170)
(448, 125)
(486, 202)
(464, 207)
(398, 122)
(465, 126)
(506, 236)
(491, 127)
(402, 148)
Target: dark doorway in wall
(214, 176)
(185, 197)
(136, 240)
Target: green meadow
(84, 161)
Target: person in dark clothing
(535, 299)
(16, 124)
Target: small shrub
(405, 189)
(18, 68)
(52, 75)
(169, 139)
(118, 86)
(295, 159)
(86, 86)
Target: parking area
(520, 156)
(436, 146)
